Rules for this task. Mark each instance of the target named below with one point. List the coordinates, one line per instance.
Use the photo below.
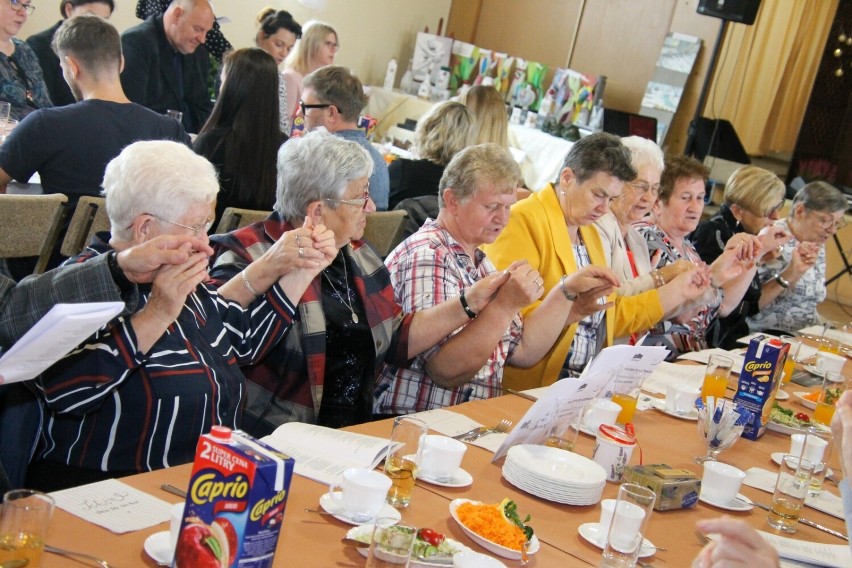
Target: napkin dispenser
(675, 488)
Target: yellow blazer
(537, 232)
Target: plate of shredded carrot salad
(489, 527)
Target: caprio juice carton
(762, 370)
(235, 503)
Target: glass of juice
(716, 377)
(564, 426)
(23, 526)
(403, 457)
(792, 357)
(833, 385)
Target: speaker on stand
(739, 11)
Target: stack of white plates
(554, 474)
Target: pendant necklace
(343, 299)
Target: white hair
(160, 177)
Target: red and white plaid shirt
(426, 269)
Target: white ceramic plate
(329, 505)
(782, 395)
(471, 559)
(592, 533)
(660, 404)
(460, 479)
(158, 547)
(587, 431)
(741, 503)
(362, 534)
(789, 430)
(487, 544)
(803, 401)
(813, 370)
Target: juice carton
(759, 379)
(235, 503)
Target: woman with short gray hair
(349, 326)
(794, 283)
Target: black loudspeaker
(623, 123)
(717, 137)
(741, 11)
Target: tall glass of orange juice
(792, 357)
(625, 392)
(716, 377)
(402, 458)
(833, 385)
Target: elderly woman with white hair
(349, 326)
(137, 394)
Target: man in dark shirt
(57, 88)
(166, 63)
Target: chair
(384, 230)
(89, 217)
(29, 226)
(235, 218)
(419, 209)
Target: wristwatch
(781, 282)
(568, 295)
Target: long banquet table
(308, 539)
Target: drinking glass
(403, 458)
(5, 109)
(792, 357)
(390, 544)
(625, 393)
(627, 527)
(720, 427)
(175, 114)
(23, 526)
(563, 430)
(816, 447)
(8, 126)
(791, 488)
(833, 385)
(716, 377)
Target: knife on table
(809, 523)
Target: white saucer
(782, 395)
(460, 479)
(733, 505)
(660, 404)
(158, 547)
(593, 534)
(776, 457)
(329, 505)
(587, 430)
(813, 370)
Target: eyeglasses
(17, 6)
(645, 187)
(196, 229)
(360, 202)
(333, 45)
(827, 221)
(305, 107)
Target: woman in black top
(753, 201)
(241, 137)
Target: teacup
(601, 411)
(607, 508)
(362, 493)
(721, 482)
(440, 457)
(829, 362)
(680, 398)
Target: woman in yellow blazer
(552, 227)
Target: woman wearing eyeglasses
(21, 80)
(753, 200)
(793, 284)
(315, 49)
(349, 324)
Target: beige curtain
(766, 71)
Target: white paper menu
(61, 329)
(811, 552)
(113, 505)
(634, 363)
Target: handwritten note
(113, 505)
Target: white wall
(370, 31)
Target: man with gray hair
(333, 98)
(167, 64)
(476, 191)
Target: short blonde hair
(754, 189)
(489, 112)
(313, 37)
(443, 132)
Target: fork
(72, 554)
(500, 428)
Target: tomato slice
(432, 537)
